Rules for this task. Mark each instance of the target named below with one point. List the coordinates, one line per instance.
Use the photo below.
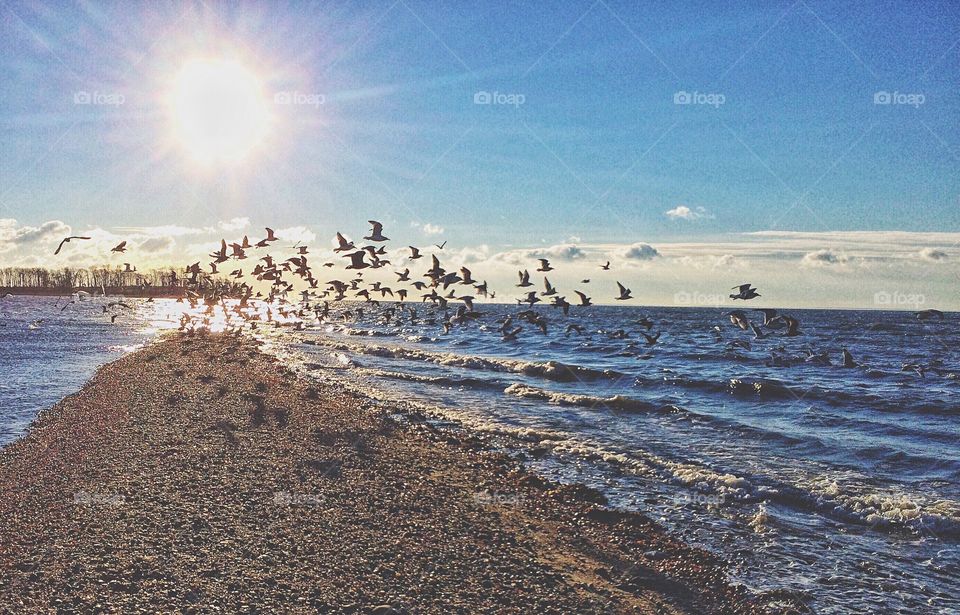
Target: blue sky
(595, 152)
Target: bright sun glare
(218, 110)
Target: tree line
(69, 278)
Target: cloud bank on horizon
(865, 269)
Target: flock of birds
(436, 285)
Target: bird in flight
(745, 292)
(356, 260)
(544, 265)
(440, 246)
(120, 247)
(67, 240)
(624, 292)
(377, 233)
(345, 245)
(606, 267)
(584, 300)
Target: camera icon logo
(82, 98)
(482, 98)
(882, 98)
(283, 98)
(682, 98)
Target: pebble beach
(201, 475)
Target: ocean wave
(442, 381)
(616, 402)
(550, 370)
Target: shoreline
(199, 473)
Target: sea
(836, 485)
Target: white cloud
(54, 229)
(639, 252)
(824, 258)
(296, 234)
(725, 260)
(235, 224)
(565, 252)
(428, 229)
(157, 244)
(682, 212)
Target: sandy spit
(199, 475)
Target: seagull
(344, 244)
(769, 315)
(121, 247)
(270, 235)
(746, 291)
(791, 323)
(561, 302)
(403, 276)
(606, 267)
(377, 233)
(524, 278)
(356, 260)
(624, 292)
(415, 253)
(544, 265)
(848, 358)
(584, 300)
(67, 240)
(511, 336)
(531, 298)
(651, 339)
(440, 246)
(550, 290)
(739, 318)
(574, 328)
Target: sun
(218, 110)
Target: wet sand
(200, 475)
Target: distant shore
(121, 291)
(200, 474)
